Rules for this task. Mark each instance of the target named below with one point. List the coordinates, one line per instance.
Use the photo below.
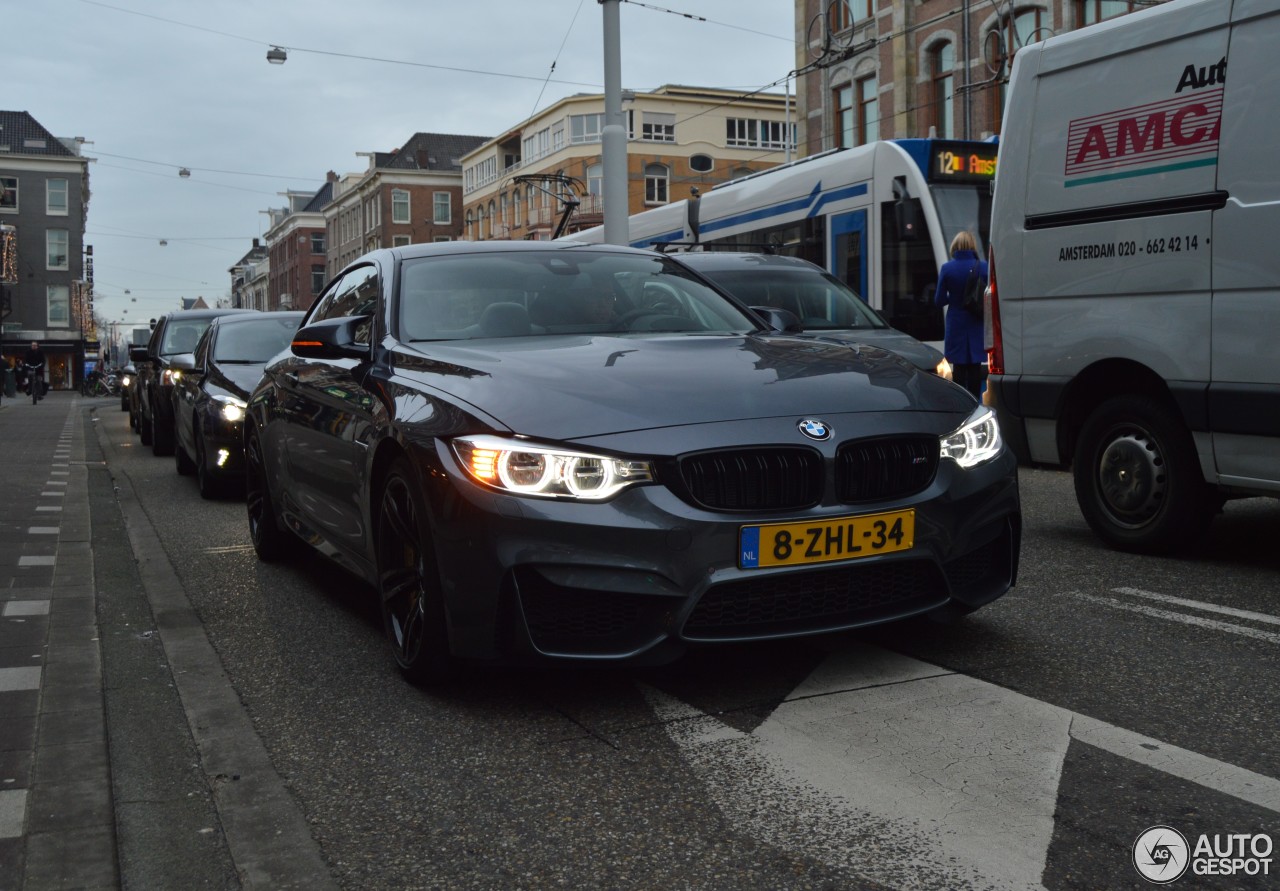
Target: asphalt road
(1029, 744)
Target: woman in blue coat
(963, 346)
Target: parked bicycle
(97, 385)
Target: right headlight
(526, 468)
(974, 442)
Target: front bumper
(644, 576)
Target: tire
(271, 541)
(409, 592)
(144, 426)
(186, 467)
(161, 438)
(211, 487)
(1138, 479)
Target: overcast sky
(156, 85)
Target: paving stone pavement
(57, 826)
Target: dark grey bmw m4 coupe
(583, 452)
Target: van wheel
(144, 428)
(409, 582)
(1138, 479)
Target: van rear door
(1244, 393)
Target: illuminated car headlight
(974, 442)
(126, 381)
(230, 408)
(523, 468)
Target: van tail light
(992, 335)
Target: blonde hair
(963, 242)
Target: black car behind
(211, 391)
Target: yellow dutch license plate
(825, 541)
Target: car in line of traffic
(211, 390)
(593, 454)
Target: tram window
(909, 279)
(804, 239)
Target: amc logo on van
(1173, 134)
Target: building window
(844, 14)
(585, 127)
(317, 242)
(56, 198)
(515, 204)
(942, 61)
(842, 105)
(656, 177)
(701, 163)
(399, 206)
(493, 220)
(471, 221)
(480, 233)
(401, 240)
(658, 127)
(441, 208)
(58, 298)
(1090, 11)
(868, 110)
(741, 132)
(8, 193)
(440, 238)
(595, 180)
(317, 280)
(56, 241)
(528, 204)
(1014, 32)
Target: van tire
(1138, 479)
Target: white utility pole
(613, 140)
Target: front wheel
(409, 582)
(1138, 479)
(270, 541)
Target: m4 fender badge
(815, 429)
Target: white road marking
(13, 811)
(1157, 613)
(19, 679)
(1265, 618)
(1235, 781)
(913, 776)
(26, 608)
(36, 561)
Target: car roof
(179, 314)
(728, 260)
(255, 316)
(443, 248)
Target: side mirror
(331, 339)
(184, 362)
(138, 354)
(782, 321)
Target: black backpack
(973, 288)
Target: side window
(202, 348)
(355, 295)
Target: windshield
(820, 301)
(181, 337)
(255, 339)
(528, 293)
(964, 208)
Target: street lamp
(276, 56)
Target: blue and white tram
(879, 216)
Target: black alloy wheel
(270, 541)
(1137, 477)
(409, 583)
(144, 427)
(210, 485)
(185, 465)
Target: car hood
(238, 378)
(570, 387)
(919, 354)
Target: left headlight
(230, 408)
(976, 441)
(524, 468)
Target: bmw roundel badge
(815, 429)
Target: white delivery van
(1134, 304)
